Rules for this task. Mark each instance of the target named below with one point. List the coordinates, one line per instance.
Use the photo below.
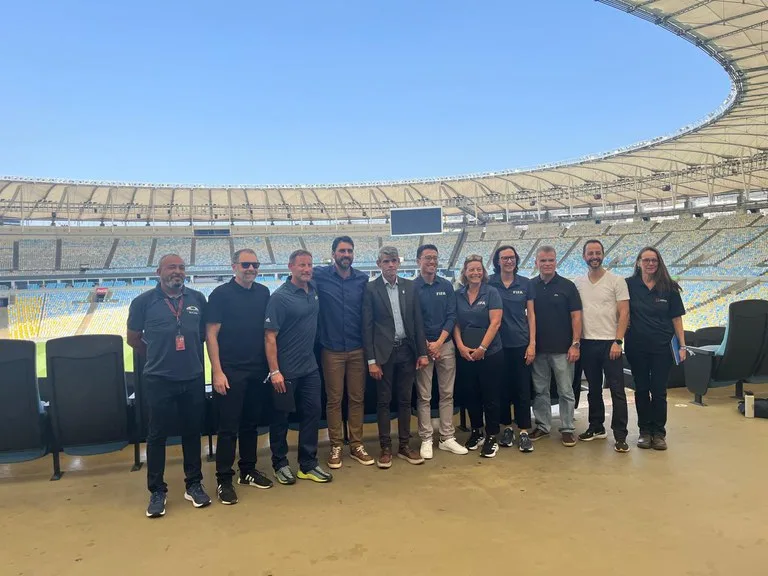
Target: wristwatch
(483, 348)
(576, 344)
(619, 341)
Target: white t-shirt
(600, 315)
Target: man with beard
(340, 288)
(166, 326)
(291, 327)
(605, 300)
(235, 337)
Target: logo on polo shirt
(439, 293)
(193, 309)
(480, 303)
(518, 292)
(267, 320)
(661, 300)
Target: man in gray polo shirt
(290, 329)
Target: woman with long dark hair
(518, 337)
(655, 316)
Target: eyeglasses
(507, 258)
(254, 265)
(429, 258)
(649, 261)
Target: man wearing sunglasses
(235, 338)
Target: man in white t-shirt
(605, 301)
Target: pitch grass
(127, 359)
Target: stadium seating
(255, 243)
(86, 252)
(678, 224)
(283, 245)
(504, 233)
(24, 316)
(678, 244)
(445, 244)
(111, 316)
(730, 221)
(180, 246)
(721, 245)
(6, 255)
(586, 230)
(64, 313)
(131, 254)
(37, 255)
(212, 253)
(544, 231)
(634, 227)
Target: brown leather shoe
(334, 458)
(385, 458)
(658, 442)
(410, 455)
(568, 439)
(538, 434)
(358, 453)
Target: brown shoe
(644, 441)
(334, 459)
(385, 458)
(538, 434)
(358, 453)
(659, 443)
(410, 455)
(568, 439)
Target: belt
(398, 343)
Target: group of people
(498, 341)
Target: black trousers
(399, 374)
(577, 382)
(596, 362)
(515, 389)
(175, 406)
(240, 411)
(481, 381)
(650, 370)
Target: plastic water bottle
(749, 405)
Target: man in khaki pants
(438, 306)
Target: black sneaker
(507, 438)
(644, 441)
(590, 434)
(197, 495)
(156, 506)
(256, 479)
(490, 447)
(526, 445)
(621, 446)
(475, 438)
(226, 493)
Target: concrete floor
(698, 509)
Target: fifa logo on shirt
(439, 293)
(481, 302)
(518, 292)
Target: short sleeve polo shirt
(292, 312)
(555, 300)
(438, 306)
(477, 314)
(650, 315)
(150, 314)
(514, 324)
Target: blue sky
(334, 91)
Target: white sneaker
(426, 449)
(451, 445)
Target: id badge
(180, 343)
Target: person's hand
(278, 383)
(573, 354)
(477, 354)
(615, 351)
(530, 354)
(375, 371)
(433, 349)
(422, 362)
(220, 382)
(683, 354)
(466, 353)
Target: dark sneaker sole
(491, 455)
(622, 449)
(314, 478)
(195, 504)
(643, 446)
(259, 486)
(595, 437)
(411, 460)
(526, 450)
(227, 503)
(156, 514)
(659, 448)
(363, 462)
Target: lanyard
(176, 311)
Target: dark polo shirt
(650, 316)
(514, 324)
(241, 312)
(293, 313)
(555, 300)
(341, 308)
(438, 306)
(149, 313)
(477, 315)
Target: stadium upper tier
(721, 154)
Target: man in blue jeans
(166, 326)
(290, 329)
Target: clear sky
(258, 92)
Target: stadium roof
(724, 153)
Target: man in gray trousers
(558, 335)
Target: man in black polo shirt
(235, 337)
(558, 335)
(166, 326)
(291, 326)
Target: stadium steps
(57, 265)
(743, 286)
(457, 249)
(269, 250)
(692, 250)
(730, 289)
(755, 239)
(111, 254)
(152, 248)
(89, 314)
(4, 323)
(15, 265)
(192, 252)
(524, 260)
(576, 242)
(231, 248)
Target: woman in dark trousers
(518, 337)
(480, 363)
(655, 316)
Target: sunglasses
(254, 265)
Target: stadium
(74, 254)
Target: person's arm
(494, 317)
(135, 341)
(530, 351)
(574, 352)
(270, 349)
(623, 309)
(373, 368)
(219, 379)
(135, 327)
(464, 352)
(421, 340)
(450, 315)
(680, 333)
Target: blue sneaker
(156, 507)
(285, 476)
(197, 495)
(317, 474)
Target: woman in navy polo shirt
(518, 337)
(655, 316)
(480, 362)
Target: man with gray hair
(395, 347)
(558, 340)
(235, 337)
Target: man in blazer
(395, 347)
